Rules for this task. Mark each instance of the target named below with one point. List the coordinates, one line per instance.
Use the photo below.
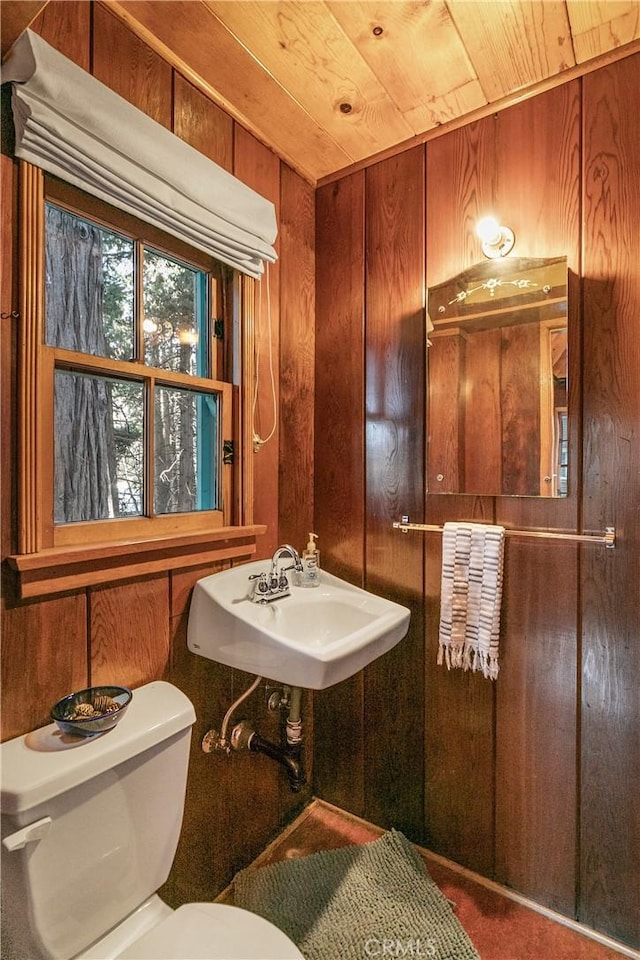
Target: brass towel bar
(608, 538)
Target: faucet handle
(260, 587)
(283, 581)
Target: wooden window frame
(51, 556)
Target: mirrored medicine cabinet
(498, 380)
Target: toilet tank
(90, 826)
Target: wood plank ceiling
(329, 85)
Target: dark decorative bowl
(91, 711)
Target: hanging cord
(258, 441)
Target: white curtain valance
(75, 127)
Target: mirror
(498, 380)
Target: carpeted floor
(371, 899)
(500, 928)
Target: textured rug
(368, 900)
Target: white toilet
(90, 827)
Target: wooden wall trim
(31, 319)
(248, 361)
(58, 570)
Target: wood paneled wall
(532, 780)
(394, 406)
(609, 817)
(135, 631)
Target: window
(562, 450)
(134, 419)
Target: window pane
(99, 447)
(174, 315)
(89, 287)
(186, 431)
(562, 427)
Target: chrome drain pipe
(294, 717)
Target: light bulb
(489, 230)
(497, 240)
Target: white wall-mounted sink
(313, 638)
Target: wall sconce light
(497, 241)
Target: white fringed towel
(471, 596)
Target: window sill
(57, 570)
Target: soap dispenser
(310, 564)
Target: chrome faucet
(293, 553)
(275, 584)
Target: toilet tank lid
(45, 763)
